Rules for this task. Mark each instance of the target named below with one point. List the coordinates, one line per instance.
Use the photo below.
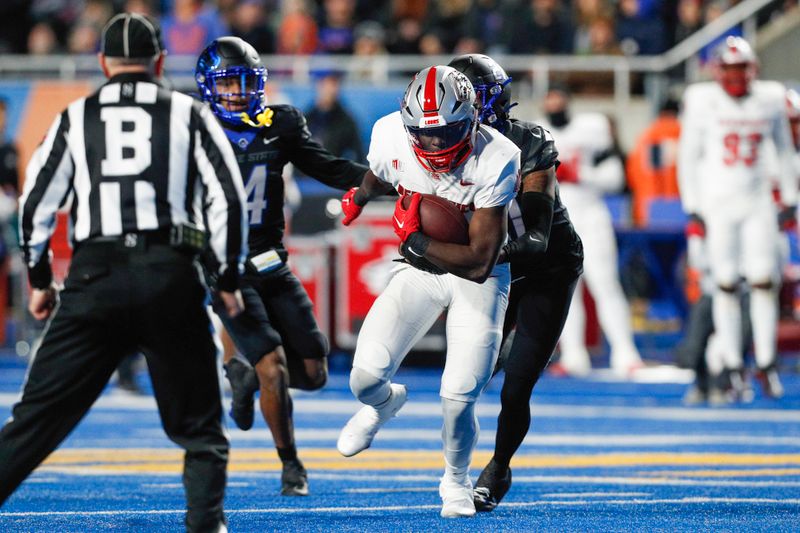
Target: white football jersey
(489, 176)
(723, 160)
(587, 143)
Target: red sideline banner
(364, 263)
(309, 259)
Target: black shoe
(294, 479)
(244, 384)
(491, 487)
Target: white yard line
(432, 409)
(385, 508)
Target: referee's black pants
(117, 301)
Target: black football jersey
(262, 153)
(538, 152)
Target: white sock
(459, 435)
(764, 316)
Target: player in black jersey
(546, 258)
(277, 332)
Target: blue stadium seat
(666, 212)
(619, 205)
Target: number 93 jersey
(723, 141)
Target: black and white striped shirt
(135, 157)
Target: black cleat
(244, 384)
(491, 487)
(294, 479)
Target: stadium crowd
(369, 27)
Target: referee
(142, 167)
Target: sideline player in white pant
(726, 190)
(436, 145)
(589, 168)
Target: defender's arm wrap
(537, 214)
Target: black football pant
(116, 302)
(538, 307)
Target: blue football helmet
(231, 78)
(491, 85)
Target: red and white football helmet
(735, 66)
(793, 111)
(440, 115)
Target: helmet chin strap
(262, 119)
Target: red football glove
(406, 221)
(350, 208)
(787, 218)
(567, 171)
(695, 226)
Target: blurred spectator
(59, 14)
(330, 123)
(586, 12)
(250, 23)
(406, 36)
(540, 27)
(14, 26)
(96, 12)
(84, 38)
(42, 40)
(9, 156)
(84, 35)
(298, 32)
(336, 27)
(431, 44)
(639, 32)
(445, 20)
(651, 165)
(370, 38)
(375, 10)
(190, 27)
(9, 184)
(483, 28)
(143, 7)
(690, 19)
(602, 38)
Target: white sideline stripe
(180, 485)
(587, 480)
(595, 494)
(556, 439)
(329, 407)
(335, 510)
(378, 490)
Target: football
(441, 220)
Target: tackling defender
(277, 332)
(546, 257)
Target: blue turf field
(602, 455)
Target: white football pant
(593, 223)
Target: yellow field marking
(142, 460)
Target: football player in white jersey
(590, 168)
(435, 144)
(726, 191)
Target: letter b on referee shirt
(128, 134)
